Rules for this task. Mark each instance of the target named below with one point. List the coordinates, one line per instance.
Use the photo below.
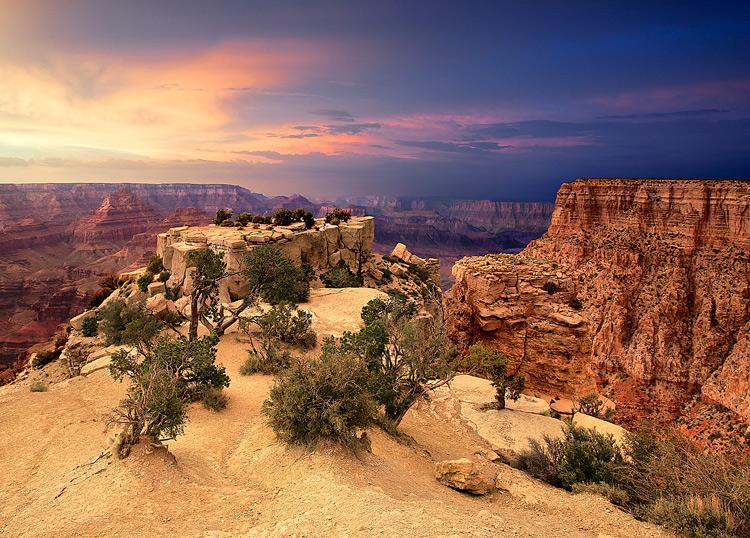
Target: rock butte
(662, 272)
(322, 247)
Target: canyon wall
(658, 272)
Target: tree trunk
(193, 332)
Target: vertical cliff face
(660, 270)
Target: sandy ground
(230, 477)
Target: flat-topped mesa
(322, 247)
(659, 273)
(689, 213)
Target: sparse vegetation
(581, 455)
(575, 303)
(325, 399)
(592, 405)
(155, 265)
(222, 215)
(38, 386)
(214, 399)
(89, 327)
(406, 356)
(550, 287)
(484, 360)
(337, 216)
(144, 280)
(172, 373)
(285, 217)
(340, 276)
(274, 277)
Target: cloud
(452, 147)
(701, 112)
(352, 128)
(334, 115)
(530, 129)
(300, 135)
(13, 161)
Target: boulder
(96, 364)
(466, 475)
(155, 288)
(601, 426)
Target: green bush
(245, 218)
(288, 324)
(115, 318)
(164, 276)
(274, 276)
(485, 360)
(155, 265)
(270, 361)
(214, 399)
(613, 494)
(581, 455)
(406, 356)
(222, 215)
(340, 276)
(338, 216)
(89, 327)
(144, 280)
(325, 399)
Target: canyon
(639, 290)
(59, 239)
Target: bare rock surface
(477, 478)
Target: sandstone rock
(601, 426)
(649, 273)
(96, 364)
(77, 322)
(183, 306)
(156, 288)
(466, 475)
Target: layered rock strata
(660, 270)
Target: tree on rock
(273, 276)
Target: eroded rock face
(322, 247)
(662, 272)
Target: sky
(502, 100)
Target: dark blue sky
(503, 100)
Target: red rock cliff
(662, 272)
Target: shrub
(269, 362)
(283, 217)
(109, 281)
(214, 399)
(325, 399)
(97, 298)
(155, 265)
(275, 277)
(340, 277)
(89, 326)
(338, 215)
(613, 494)
(694, 516)
(288, 324)
(245, 218)
(38, 386)
(222, 215)
(581, 455)
(550, 287)
(575, 303)
(144, 280)
(164, 276)
(115, 318)
(483, 359)
(591, 405)
(665, 467)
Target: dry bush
(75, 357)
